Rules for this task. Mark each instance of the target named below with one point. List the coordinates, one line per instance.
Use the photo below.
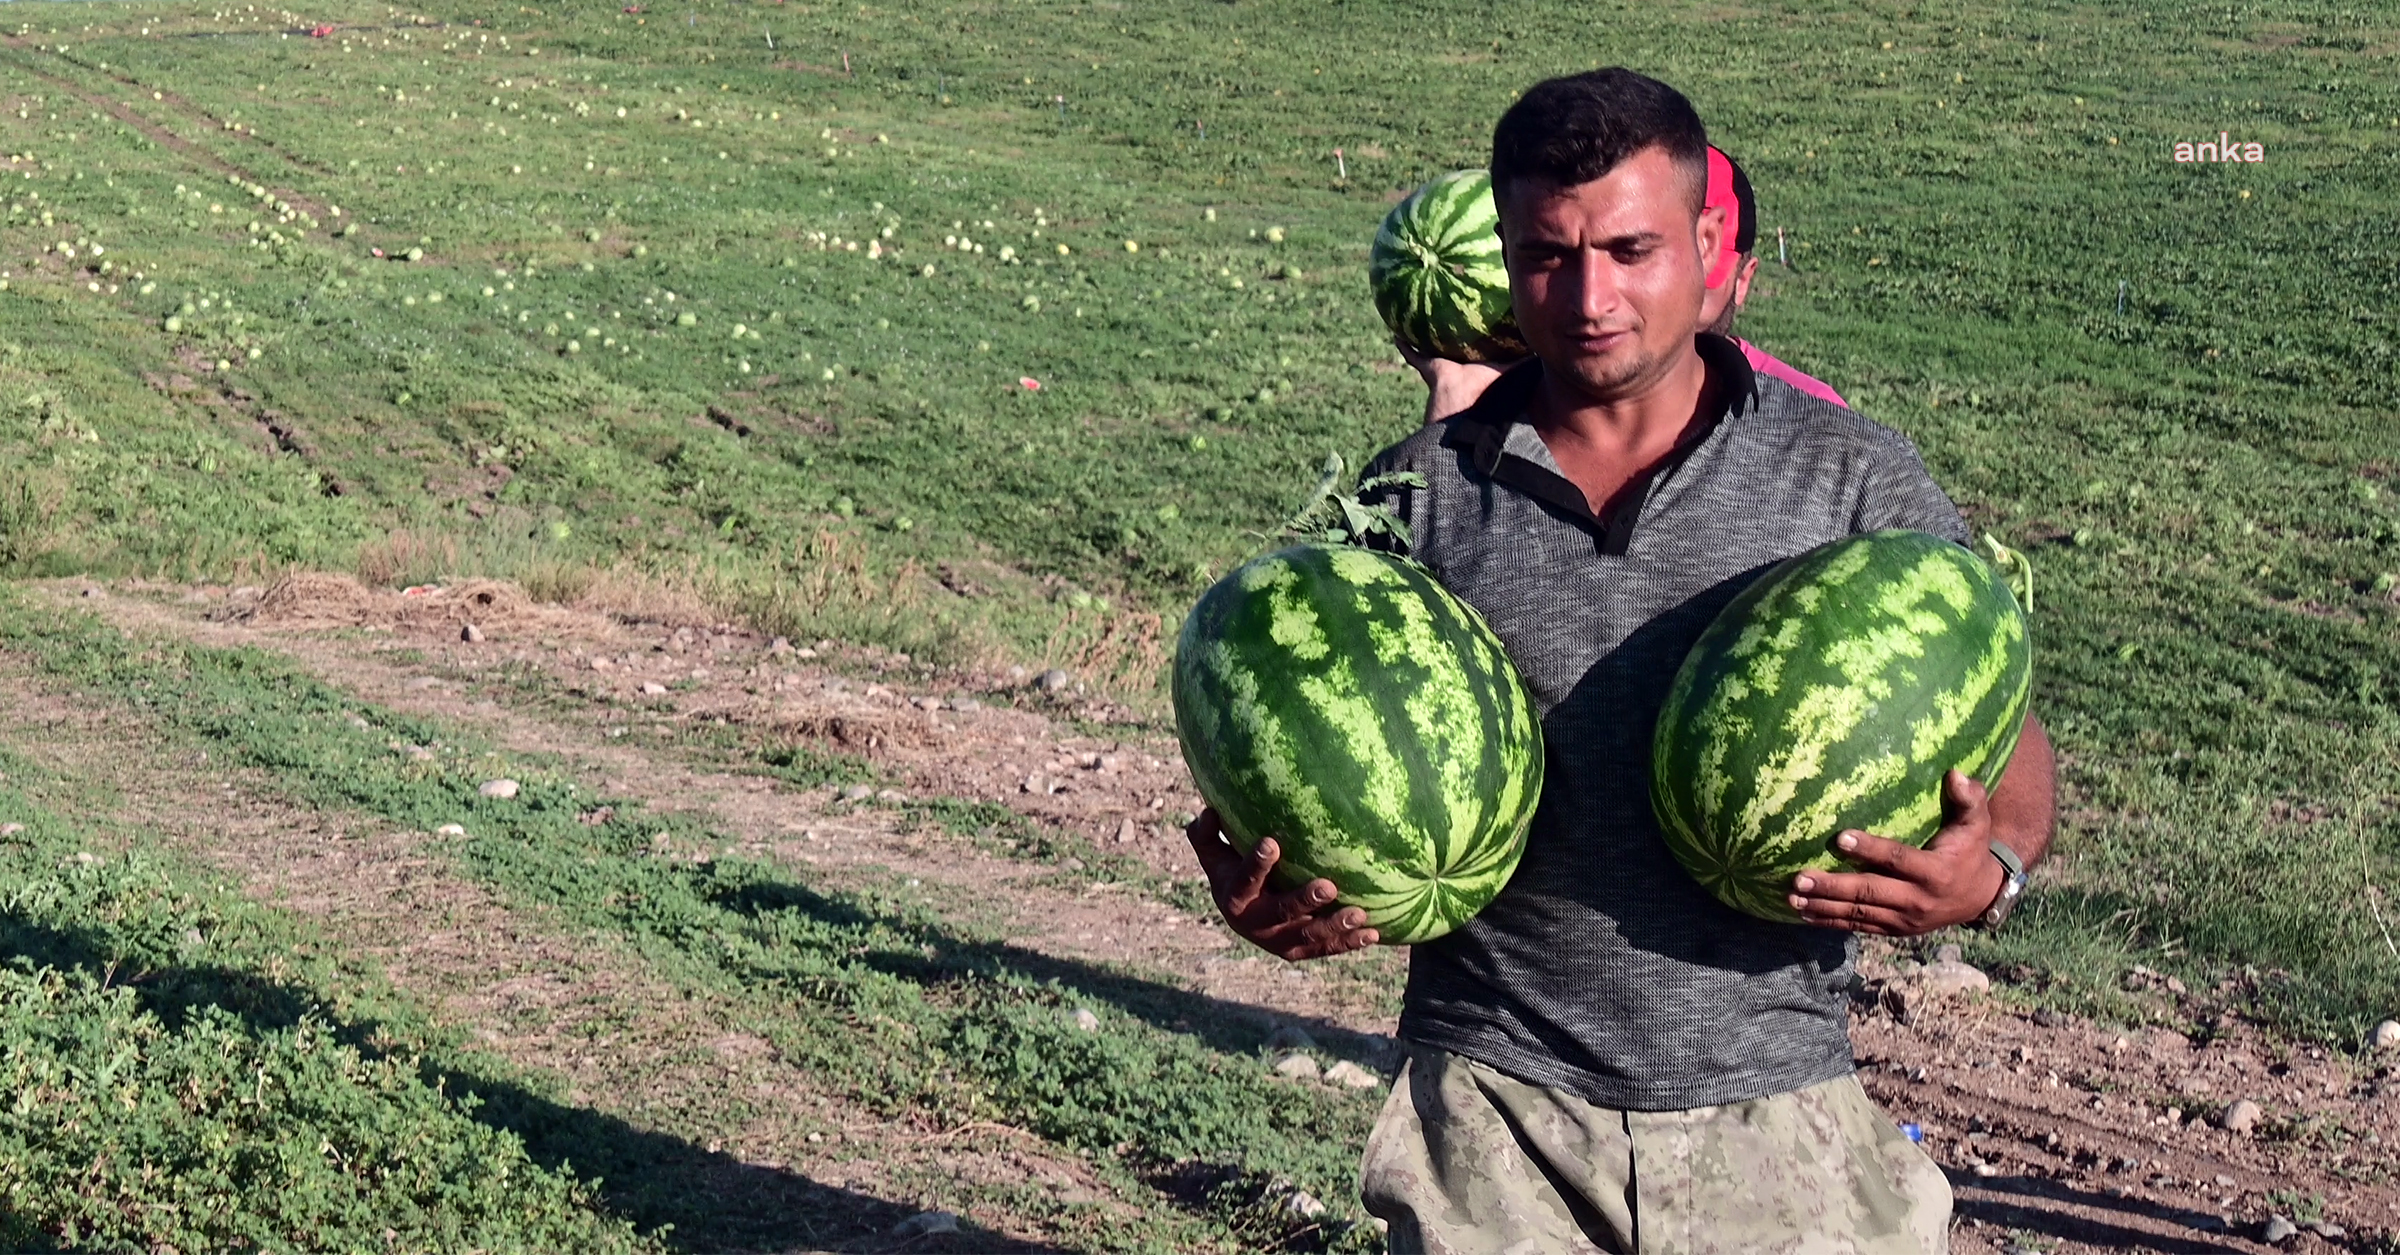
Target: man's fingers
(1871, 921)
(1846, 892)
(1879, 854)
(1337, 933)
(1962, 793)
(1299, 904)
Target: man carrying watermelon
(1607, 1057)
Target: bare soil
(2059, 1134)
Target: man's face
(1607, 276)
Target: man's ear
(1742, 274)
(1709, 233)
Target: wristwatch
(2009, 889)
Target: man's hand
(1905, 891)
(1301, 924)
(1449, 386)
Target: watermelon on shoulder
(1340, 700)
(1834, 694)
(1436, 274)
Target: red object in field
(320, 31)
(1029, 383)
(633, 8)
(376, 251)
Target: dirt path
(2060, 1135)
(736, 1147)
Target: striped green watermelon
(1342, 702)
(1834, 694)
(1436, 273)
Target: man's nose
(1596, 284)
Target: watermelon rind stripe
(1343, 702)
(1833, 694)
(1437, 276)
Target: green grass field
(627, 300)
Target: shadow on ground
(1227, 1027)
(2039, 1206)
(702, 1200)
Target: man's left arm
(1903, 891)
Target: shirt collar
(1508, 450)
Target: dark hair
(1577, 128)
(1745, 238)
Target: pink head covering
(1721, 194)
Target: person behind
(1729, 280)
(1606, 1058)
(1451, 386)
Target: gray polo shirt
(1603, 969)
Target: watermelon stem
(1335, 517)
(2013, 564)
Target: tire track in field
(729, 1123)
(29, 60)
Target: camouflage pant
(1467, 1161)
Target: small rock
(652, 688)
(1053, 681)
(1303, 1206)
(2047, 1018)
(2240, 1116)
(1986, 1170)
(10, 830)
(451, 830)
(1953, 978)
(471, 634)
(1127, 830)
(1085, 1020)
(2386, 1035)
(1291, 1037)
(1949, 953)
(965, 705)
(604, 664)
(890, 795)
(1016, 675)
(1070, 864)
(2330, 1231)
(2176, 987)
(858, 793)
(1298, 1067)
(503, 789)
(2279, 1229)
(804, 652)
(926, 1222)
(1352, 1075)
(779, 646)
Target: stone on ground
(1298, 1067)
(926, 1222)
(502, 789)
(2240, 1116)
(1352, 1075)
(2386, 1035)
(2279, 1229)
